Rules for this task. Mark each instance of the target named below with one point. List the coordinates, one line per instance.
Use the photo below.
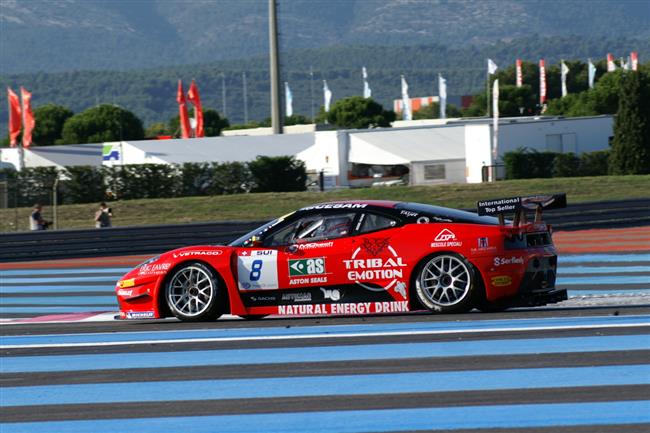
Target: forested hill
(57, 35)
(151, 93)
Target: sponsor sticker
(312, 266)
(490, 207)
(139, 315)
(373, 261)
(333, 294)
(125, 293)
(263, 298)
(375, 246)
(348, 308)
(501, 280)
(198, 253)
(400, 288)
(258, 270)
(297, 297)
(483, 246)
(408, 214)
(500, 261)
(336, 206)
(313, 245)
(153, 269)
(446, 238)
(307, 280)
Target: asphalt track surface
(580, 366)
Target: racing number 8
(256, 270)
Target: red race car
(358, 257)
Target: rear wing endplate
(519, 205)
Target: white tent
(433, 154)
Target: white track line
(322, 336)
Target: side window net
(371, 222)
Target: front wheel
(445, 283)
(193, 293)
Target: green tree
(432, 111)
(516, 101)
(631, 146)
(50, 119)
(296, 119)
(100, 124)
(276, 174)
(357, 112)
(213, 123)
(156, 129)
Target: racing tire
(446, 283)
(193, 293)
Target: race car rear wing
(519, 205)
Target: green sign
(302, 267)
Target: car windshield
(245, 240)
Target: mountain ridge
(57, 36)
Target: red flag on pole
(29, 122)
(182, 110)
(15, 122)
(611, 66)
(634, 59)
(542, 82)
(194, 98)
(520, 79)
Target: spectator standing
(103, 216)
(36, 221)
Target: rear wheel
(193, 293)
(446, 283)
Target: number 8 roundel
(258, 270)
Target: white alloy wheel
(445, 283)
(191, 292)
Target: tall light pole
(243, 77)
(223, 94)
(311, 92)
(276, 119)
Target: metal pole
(311, 92)
(55, 211)
(487, 93)
(276, 119)
(243, 75)
(223, 94)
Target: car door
(300, 253)
(312, 255)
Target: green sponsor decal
(302, 267)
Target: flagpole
(487, 91)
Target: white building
(454, 151)
(53, 156)
(208, 149)
(431, 152)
